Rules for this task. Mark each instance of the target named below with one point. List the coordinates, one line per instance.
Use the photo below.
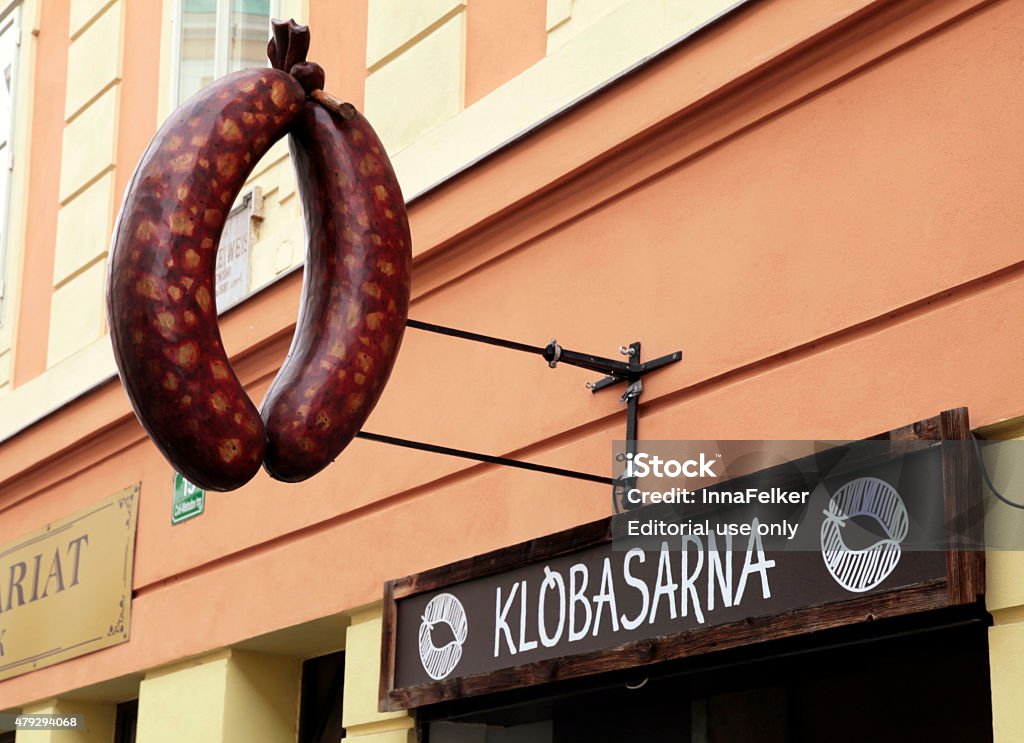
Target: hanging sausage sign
(355, 294)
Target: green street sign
(188, 501)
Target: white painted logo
(438, 662)
(861, 570)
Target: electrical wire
(984, 473)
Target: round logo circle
(439, 662)
(861, 570)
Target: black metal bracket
(630, 372)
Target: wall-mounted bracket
(631, 372)
(633, 376)
(645, 368)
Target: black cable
(488, 458)
(984, 474)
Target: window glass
(198, 46)
(249, 34)
(216, 37)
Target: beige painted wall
(1004, 584)
(98, 720)
(360, 717)
(86, 178)
(228, 697)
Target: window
(10, 39)
(323, 685)
(215, 37)
(126, 721)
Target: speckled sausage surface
(160, 297)
(355, 294)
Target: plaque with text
(66, 589)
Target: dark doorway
(323, 683)
(931, 685)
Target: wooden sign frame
(963, 584)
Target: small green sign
(189, 500)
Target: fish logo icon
(860, 570)
(443, 609)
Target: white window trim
(220, 42)
(12, 14)
(7, 7)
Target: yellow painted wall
(84, 12)
(360, 717)
(262, 700)
(185, 702)
(1006, 656)
(228, 697)
(86, 178)
(98, 720)
(569, 18)
(83, 229)
(1004, 590)
(430, 139)
(278, 243)
(88, 146)
(94, 58)
(416, 63)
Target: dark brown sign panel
(584, 601)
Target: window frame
(221, 42)
(10, 14)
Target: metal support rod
(488, 458)
(598, 364)
(550, 353)
(615, 372)
(466, 335)
(632, 399)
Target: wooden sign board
(583, 601)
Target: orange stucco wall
(502, 40)
(820, 206)
(41, 218)
(341, 51)
(140, 86)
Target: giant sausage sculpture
(160, 297)
(355, 296)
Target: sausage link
(161, 291)
(355, 294)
